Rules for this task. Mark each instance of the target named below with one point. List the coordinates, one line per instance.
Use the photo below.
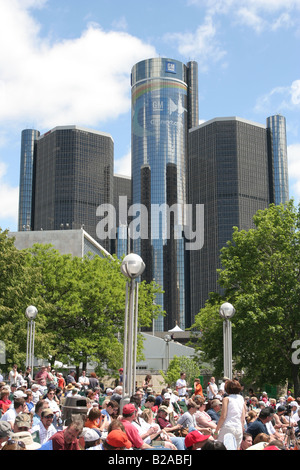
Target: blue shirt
(256, 428)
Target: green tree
(17, 292)
(81, 307)
(181, 364)
(260, 276)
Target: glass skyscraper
(229, 173)
(276, 126)
(26, 194)
(74, 176)
(164, 106)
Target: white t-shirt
(9, 415)
(210, 394)
(181, 383)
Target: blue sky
(68, 62)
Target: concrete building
(74, 242)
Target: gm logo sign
(170, 67)
(157, 105)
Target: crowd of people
(180, 418)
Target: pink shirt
(132, 434)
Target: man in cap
(129, 414)
(92, 439)
(214, 409)
(45, 428)
(27, 439)
(22, 422)
(5, 432)
(194, 440)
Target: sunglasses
(19, 443)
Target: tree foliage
(260, 276)
(178, 365)
(80, 302)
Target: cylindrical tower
(161, 98)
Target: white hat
(90, 435)
(26, 437)
(167, 396)
(19, 394)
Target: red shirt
(58, 441)
(4, 405)
(132, 434)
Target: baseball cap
(23, 420)
(193, 437)
(118, 438)
(90, 435)
(163, 408)
(5, 429)
(47, 412)
(128, 409)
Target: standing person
(13, 374)
(147, 382)
(181, 385)
(198, 391)
(61, 383)
(232, 419)
(83, 380)
(42, 377)
(212, 389)
(93, 381)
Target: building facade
(26, 192)
(73, 177)
(276, 126)
(229, 168)
(164, 106)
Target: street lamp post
(30, 313)
(132, 267)
(167, 339)
(226, 312)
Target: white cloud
(280, 99)
(85, 80)
(9, 197)
(294, 169)
(202, 45)
(123, 165)
(256, 14)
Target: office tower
(120, 245)
(26, 195)
(276, 126)
(164, 106)
(229, 174)
(74, 175)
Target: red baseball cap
(128, 409)
(118, 438)
(193, 437)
